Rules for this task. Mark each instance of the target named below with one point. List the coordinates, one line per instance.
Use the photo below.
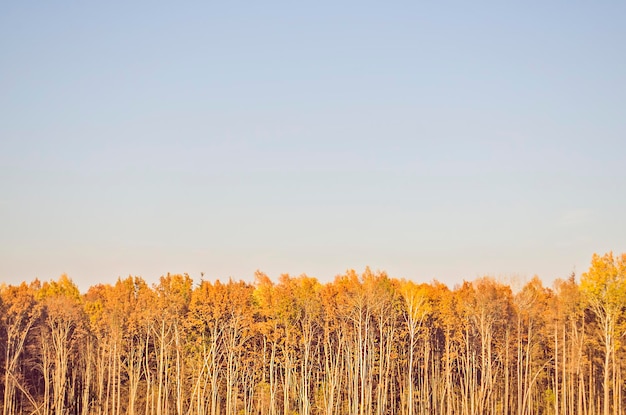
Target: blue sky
(433, 141)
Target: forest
(363, 344)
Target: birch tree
(20, 312)
(604, 287)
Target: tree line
(363, 344)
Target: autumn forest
(364, 344)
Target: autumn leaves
(363, 344)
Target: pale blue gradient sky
(443, 141)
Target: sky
(439, 141)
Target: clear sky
(434, 141)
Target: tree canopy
(364, 344)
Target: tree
(570, 315)
(63, 320)
(20, 311)
(604, 287)
(173, 297)
(533, 343)
(417, 308)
